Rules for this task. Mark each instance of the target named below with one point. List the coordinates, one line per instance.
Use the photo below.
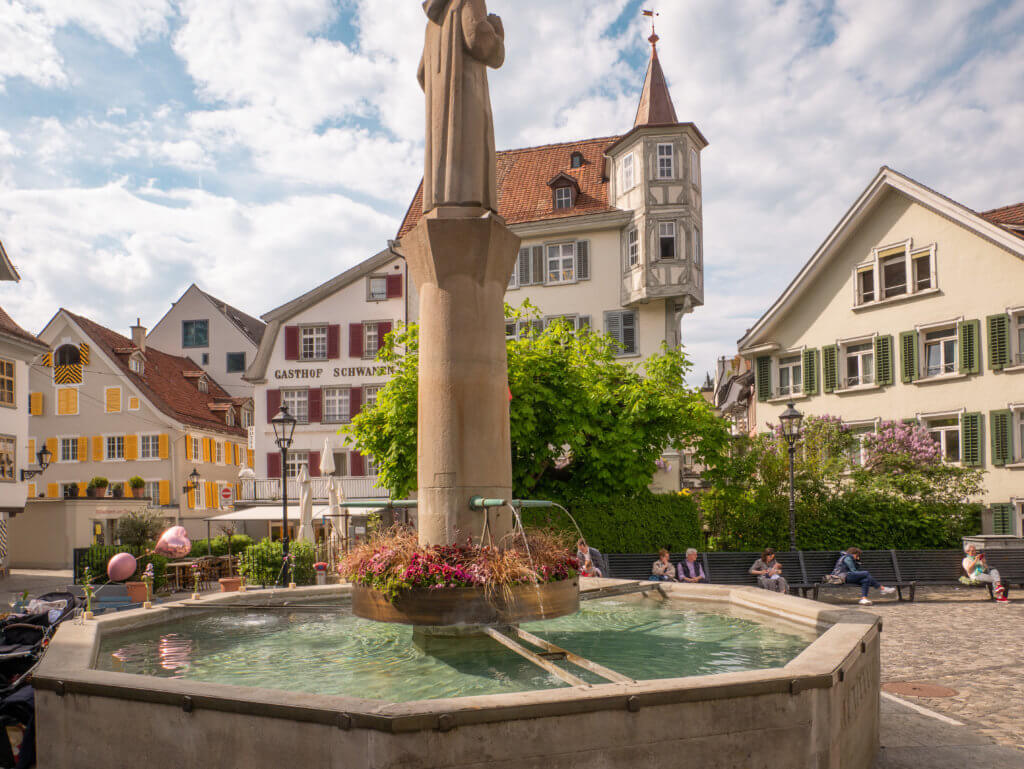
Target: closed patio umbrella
(334, 493)
(305, 506)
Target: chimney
(139, 335)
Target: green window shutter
(764, 378)
(970, 440)
(830, 368)
(908, 356)
(970, 355)
(1001, 513)
(883, 360)
(998, 341)
(1001, 425)
(810, 372)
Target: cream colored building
(912, 309)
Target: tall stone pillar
(461, 259)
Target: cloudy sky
(258, 147)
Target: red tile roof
(8, 326)
(164, 380)
(1011, 216)
(523, 176)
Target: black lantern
(791, 420)
(284, 427)
(44, 455)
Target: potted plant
(197, 572)
(321, 572)
(98, 485)
(136, 484)
(117, 491)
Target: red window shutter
(394, 284)
(315, 404)
(333, 342)
(291, 342)
(355, 401)
(358, 463)
(273, 403)
(383, 329)
(314, 464)
(355, 340)
(273, 465)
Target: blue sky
(259, 147)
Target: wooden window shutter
(524, 266)
(97, 448)
(188, 447)
(273, 465)
(212, 496)
(315, 402)
(83, 489)
(273, 403)
(909, 371)
(83, 449)
(355, 340)
(883, 360)
(970, 355)
(251, 458)
(583, 260)
(131, 447)
(83, 354)
(291, 342)
(51, 444)
(1001, 518)
(355, 401)
(314, 464)
(830, 368)
(206, 449)
(810, 372)
(538, 265)
(164, 446)
(629, 332)
(113, 399)
(165, 492)
(394, 286)
(32, 450)
(970, 439)
(358, 464)
(333, 342)
(35, 404)
(383, 329)
(52, 490)
(998, 341)
(191, 499)
(31, 491)
(1001, 425)
(763, 374)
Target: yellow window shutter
(113, 400)
(165, 492)
(62, 402)
(52, 490)
(97, 448)
(252, 458)
(83, 449)
(31, 491)
(188, 446)
(133, 404)
(82, 488)
(31, 451)
(35, 404)
(72, 400)
(131, 448)
(51, 444)
(206, 449)
(191, 500)
(165, 447)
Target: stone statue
(462, 40)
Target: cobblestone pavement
(957, 638)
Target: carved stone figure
(462, 40)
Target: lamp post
(191, 484)
(284, 428)
(791, 419)
(44, 455)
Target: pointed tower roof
(656, 106)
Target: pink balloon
(121, 567)
(174, 543)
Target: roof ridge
(559, 144)
(1000, 208)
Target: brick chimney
(139, 335)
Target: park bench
(882, 564)
(638, 565)
(112, 596)
(734, 569)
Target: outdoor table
(176, 568)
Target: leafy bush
(261, 563)
(219, 546)
(136, 482)
(139, 527)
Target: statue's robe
(461, 42)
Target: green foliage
(136, 482)
(139, 527)
(643, 523)
(261, 563)
(219, 546)
(99, 482)
(95, 559)
(582, 421)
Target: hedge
(219, 546)
(261, 563)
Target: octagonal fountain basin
(729, 677)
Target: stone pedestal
(461, 259)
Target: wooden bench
(734, 569)
(882, 565)
(638, 565)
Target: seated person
(849, 568)
(690, 569)
(661, 570)
(583, 552)
(769, 572)
(588, 569)
(978, 571)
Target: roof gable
(12, 329)
(7, 271)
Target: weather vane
(654, 35)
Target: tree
(582, 420)
(138, 528)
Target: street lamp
(44, 456)
(284, 428)
(791, 419)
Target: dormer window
(564, 188)
(577, 160)
(563, 197)
(203, 385)
(229, 418)
(137, 365)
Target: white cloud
(122, 23)
(26, 39)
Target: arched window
(68, 355)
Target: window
(563, 197)
(666, 161)
(370, 393)
(66, 491)
(860, 364)
(340, 464)
(297, 402)
(790, 375)
(149, 446)
(894, 275)
(922, 272)
(229, 417)
(1020, 339)
(135, 365)
(7, 392)
(576, 322)
(236, 362)
(946, 433)
(562, 263)
(621, 325)
(152, 490)
(667, 238)
(195, 333)
(628, 173)
(113, 400)
(69, 449)
(633, 248)
(370, 463)
(857, 451)
(371, 340)
(68, 355)
(510, 330)
(206, 359)
(7, 458)
(313, 345)
(296, 461)
(577, 160)
(197, 450)
(377, 288)
(694, 167)
(246, 418)
(336, 404)
(698, 249)
(203, 385)
(865, 285)
(115, 447)
(940, 352)
(220, 452)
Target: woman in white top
(978, 571)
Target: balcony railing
(1019, 359)
(858, 381)
(783, 391)
(269, 489)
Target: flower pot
(118, 493)
(195, 596)
(230, 584)
(101, 491)
(321, 578)
(136, 591)
(91, 493)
